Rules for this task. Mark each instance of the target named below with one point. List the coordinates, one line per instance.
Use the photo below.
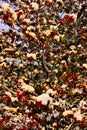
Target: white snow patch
(50, 91)
(4, 6)
(35, 6)
(27, 87)
(78, 115)
(44, 98)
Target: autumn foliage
(43, 65)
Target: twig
(76, 101)
(69, 127)
(10, 90)
(44, 64)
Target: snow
(47, 32)
(8, 93)
(55, 113)
(27, 20)
(53, 27)
(64, 86)
(33, 55)
(83, 104)
(11, 96)
(44, 20)
(76, 90)
(30, 28)
(4, 6)
(32, 34)
(27, 87)
(3, 64)
(84, 65)
(56, 104)
(63, 62)
(74, 15)
(57, 38)
(80, 46)
(11, 109)
(1, 58)
(72, 47)
(67, 112)
(50, 1)
(78, 115)
(50, 91)
(59, 1)
(35, 6)
(44, 98)
(14, 15)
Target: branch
(44, 64)
(69, 127)
(10, 90)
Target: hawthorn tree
(43, 65)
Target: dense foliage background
(43, 65)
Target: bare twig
(10, 90)
(44, 64)
(69, 127)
